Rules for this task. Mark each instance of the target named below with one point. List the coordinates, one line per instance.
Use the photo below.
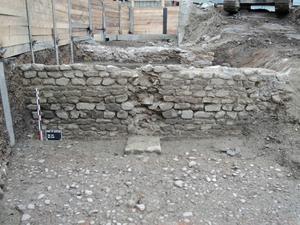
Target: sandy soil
(193, 181)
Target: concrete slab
(141, 144)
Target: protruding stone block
(143, 144)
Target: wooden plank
(16, 50)
(14, 35)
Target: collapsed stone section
(97, 100)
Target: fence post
(103, 20)
(120, 19)
(131, 17)
(70, 30)
(55, 33)
(90, 8)
(29, 31)
(165, 20)
(6, 106)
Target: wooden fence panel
(14, 38)
(13, 27)
(97, 12)
(41, 23)
(125, 20)
(173, 15)
(148, 21)
(80, 18)
(62, 21)
(112, 16)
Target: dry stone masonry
(96, 100)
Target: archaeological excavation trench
(224, 105)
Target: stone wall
(95, 100)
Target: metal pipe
(55, 33)
(70, 30)
(30, 32)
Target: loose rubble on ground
(225, 180)
(248, 178)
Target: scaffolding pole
(70, 31)
(55, 32)
(30, 31)
(90, 18)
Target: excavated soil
(250, 39)
(217, 180)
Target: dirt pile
(239, 38)
(203, 25)
(250, 39)
(154, 54)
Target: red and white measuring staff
(37, 94)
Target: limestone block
(62, 81)
(187, 114)
(203, 115)
(62, 114)
(122, 114)
(164, 106)
(127, 106)
(121, 98)
(170, 114)
(78, 73)
(100, 67)
(43, 75)
(91, 73)
(212, 108)
(30, 74)
(147, 68)
(51, 67)
(220, 114)
(113, 107)
(159, 69)
(182, 106)
(93, 81)
(65, 67)
(78, 81)
(109, 114)
(143, 144)
(108, 81)
(85, 106)
(100, 106)
(55, 74)
(80, 66)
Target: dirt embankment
(250, 39)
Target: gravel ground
(224, 180)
